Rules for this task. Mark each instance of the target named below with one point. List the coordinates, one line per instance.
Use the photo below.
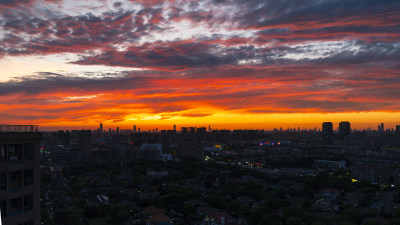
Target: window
(29, 151)
(28, 177)
(3, 153)
(14, 154)
(3, 181)
(14, 181)
(28, 203)
(15, 207)
(3, 207)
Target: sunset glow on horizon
(230, 64)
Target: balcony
(15, 189)
(15, 161)
(15, 213)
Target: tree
(394, 221)
(293, 211)
(318, 223)
(295, 221)
(371, 223)
(234, 206)
(255, 217)
(345, 222)
(74, 218)
(354, 214)
(121, 216)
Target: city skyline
(232, 64)
(335, 127)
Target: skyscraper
(20, 174)
(344, 128)
(134, 128)
(397, 129)
(327, 132)
(192, 130)
(184, 130)
(201, 130)
(101, 127)
(174, 127)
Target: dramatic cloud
(169, 60)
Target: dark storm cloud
(175, 56)
(48, 82)
(259, 13)
(14, 3)
(67, 34)
(184, 56)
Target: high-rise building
(344, 128)
(327, 127)
(101, 127)
(174, 127)
(134, 128)
(81, 143)
(184, 130)
(201, 130)
(20, 174)
(192, 130)
(327, 132)
(382, 127)
(397, 129)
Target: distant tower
(138, 130)
(134, 128)
(209, 128)
(344, 128)
(101, 127)
(156, 130)
(327, 132)
(117, 129)
(382, 127)
(397, 129)
(174, 127)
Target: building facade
(344, 128)
(327, 133)
(20, 175)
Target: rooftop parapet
(19, 128)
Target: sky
(234, 64)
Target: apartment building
(20, 174)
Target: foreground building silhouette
(20, 174)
